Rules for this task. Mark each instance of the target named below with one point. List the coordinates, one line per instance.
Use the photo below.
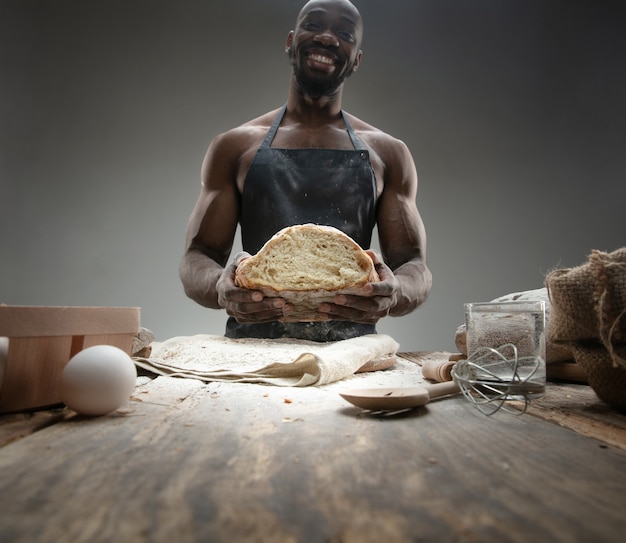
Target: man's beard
(317, 88)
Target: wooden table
(186, 461)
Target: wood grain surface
(184, 461)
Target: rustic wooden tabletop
(187, 461)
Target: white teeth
(322, 58)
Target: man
(309, 162)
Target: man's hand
(375, 302)
(247, 305)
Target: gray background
(515, 112)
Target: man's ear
(289, 41)
(357, 60)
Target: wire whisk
(491, 378)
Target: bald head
(346, 3)
(347, 9)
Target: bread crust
(313, 263)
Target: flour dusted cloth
(282, 362)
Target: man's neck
(313, 111)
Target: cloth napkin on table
(283, 362)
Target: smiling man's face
(324, 47)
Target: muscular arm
(211, 230)
(401, 232)
(212, 225)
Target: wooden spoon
(392, 399)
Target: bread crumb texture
(307, 257)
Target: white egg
(98, 380)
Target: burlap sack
(574, 317)
(607, 381)
(610, 273)
(589, 315)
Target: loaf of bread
(307, 264)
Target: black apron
(284, 187)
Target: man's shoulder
(374, 137)
(253, 127)
(243, 137)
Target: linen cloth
(282, 362)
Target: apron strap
(356, 141)
(269, 137)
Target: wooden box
(41, 340)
